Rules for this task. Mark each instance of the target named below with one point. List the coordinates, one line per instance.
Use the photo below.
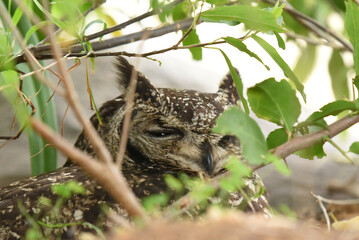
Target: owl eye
(165, 133)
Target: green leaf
(277, 138)
(155, 201)
(238, 171)
(9, 82)
(242, 47)
(17, 16)
(315, 150)
(281, 63)
(191, 39)
(5, 50)
(352, 28)
(305, 63)
(237, 168)
(235, 121)
(181, 11)
(280, 41)
(43, 156)
(279, 164)
(67, 15)
(33, 30)
(202, 192)
(252, 17)
(311, 152)
(333, 108)
(237, 81)
(277, 10)
(174, 183)
(75, 187)
(275, 102)
(67, 189)
(356, 82)
(97, 21)
(354, 148)
(338, 75)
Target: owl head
(170, 129)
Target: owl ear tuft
(228, 88)
(124, 71)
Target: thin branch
(324, 210)
(27, 55)
(314, 26)
(59, 30)
(130, 100)
(72, 98)
(302, 142)
(106, 174)
(129, 54)
(129, 22)
(314, 41)
(338, 202)
(18, 134)
(43, 52)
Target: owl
(169, 134)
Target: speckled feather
(187, 115)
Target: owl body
(170, 133)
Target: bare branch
(105, 173)
(71, 96)
(44, 52)
(130, 100)
(129, 22)
(314, 26)
(324, 210)
(298, 143)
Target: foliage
(50, 211)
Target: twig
(329, 140)
(313, 41)
(130, 99)
(302, 142)
(27, 56)
(114, 183)
(105, 172)
(129, 22)
(324, 210)
(71, 96)
(43, 52)
(339, 202)
(129, 54)
(59, 30)
(314, 26)
(18, 134)
(196, 20)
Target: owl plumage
(170, 133)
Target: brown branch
(314, 26)
(131, 21)
(72, 98)
(130, 101)
(324, 210)
(122, 25)
(44, 52)
(299, 143)
(129, 54)
(105, 173)
(18, 134)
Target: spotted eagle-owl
(170, 133)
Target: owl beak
(207, 160)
